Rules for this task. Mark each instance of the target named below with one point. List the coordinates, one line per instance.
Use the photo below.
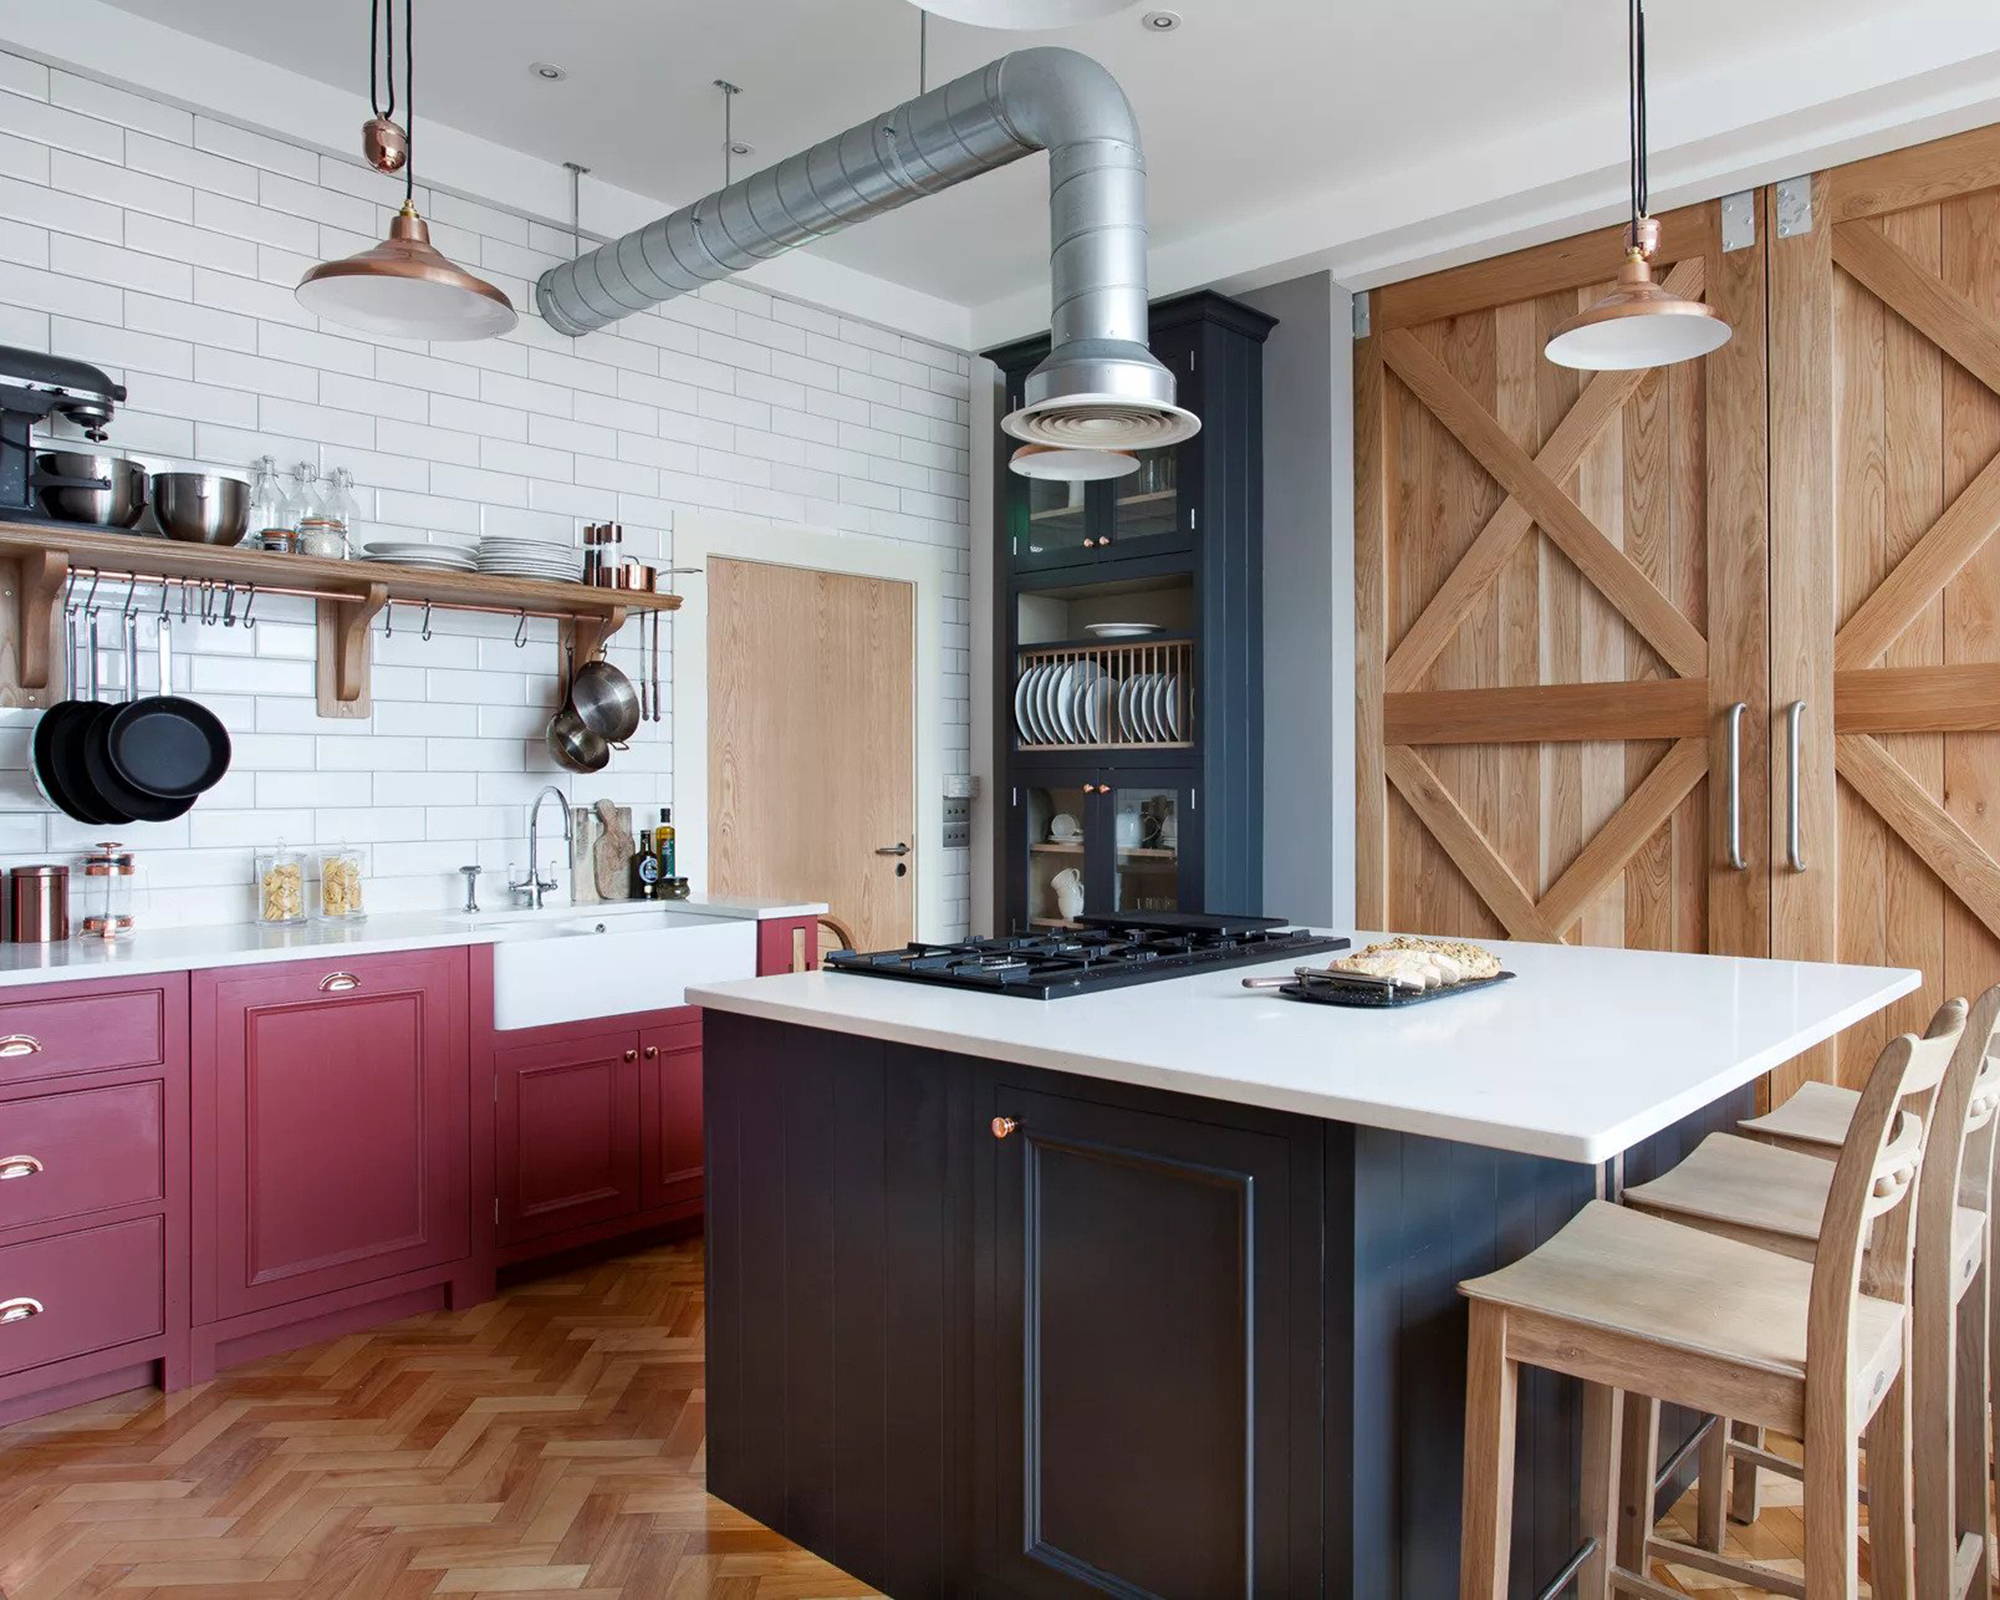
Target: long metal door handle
(1795, 715)
(1736, 711)
(892, 849)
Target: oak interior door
(811, 729)
(1885, 404)
(1561, 583)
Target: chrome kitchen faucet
(534, 886)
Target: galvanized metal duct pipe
(1100, 386)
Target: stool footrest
(1751, 1574)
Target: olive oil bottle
(663, 845)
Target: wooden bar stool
(1814, 1121)
(1774, 1196)
(1629, 1303)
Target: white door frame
(701, 537)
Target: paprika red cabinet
(567, 1129)
(332, 1128)
(670, 1111)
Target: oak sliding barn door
(1562, 585)
(1885, 406)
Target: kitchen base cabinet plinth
(981, 1329)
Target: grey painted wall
(1308, 601)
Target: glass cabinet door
(1055, 815)
(1152, 510)
(1050, 522)
(1148, 823)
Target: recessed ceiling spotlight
(548, 72)
(738, 148)
(1160, 21)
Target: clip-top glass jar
(341, 894)
(281, 887)
(108, 893)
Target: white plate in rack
(1083, 677)
(1021, 706)
(1068, 685)
(1097, 696)
(1156, 711)
(1038, 730)
(1120, 630)
(1170, 708)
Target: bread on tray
(1421, 963)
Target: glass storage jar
(281, 887)
(110, 881)
(342, 897)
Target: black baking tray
(1357, 998)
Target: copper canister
(39, 898)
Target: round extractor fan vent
(1024, 14)
(1101, 422)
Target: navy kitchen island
(1153, 1292)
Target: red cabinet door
(567, 1133)
(332, 1126)
(670, 1081)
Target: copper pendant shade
(1639, 323)
(407, 288)
(404, 287)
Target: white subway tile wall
(164, 247)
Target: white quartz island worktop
(1583, 1055)
(231, 944)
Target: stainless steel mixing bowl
(118, 506)
(201, 507)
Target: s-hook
(389, 619)
(520, 630)
(249, 600)
(229, 604)
(425, 634)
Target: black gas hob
(1102, 953)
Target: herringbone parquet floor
(546, 1444)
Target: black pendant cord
(375, 28)
(409, 102)
(1635, 67)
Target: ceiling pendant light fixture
(1638, 324)
(1072, 466)
(404, 286)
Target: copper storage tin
(38, 904)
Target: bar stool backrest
(1871, 1179)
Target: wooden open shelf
(38, 559)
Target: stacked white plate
(506, 557)
(1149, 708)
(1064, 702)
(415, 553)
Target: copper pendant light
(404, 287)
(1639, 324)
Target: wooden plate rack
(1122, 662)
(38, 560)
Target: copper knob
(652, 1052)
(631, 1055)
(1002, 1126)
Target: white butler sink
(576, 966)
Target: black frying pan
(105, 782)
(57, 763)
(163, 747)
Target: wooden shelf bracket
(42, 576)
(589, 635)
(344, 655)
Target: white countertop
(1583, 1055)
(237, 944)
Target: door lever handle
(892, 849)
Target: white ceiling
(1252, 106)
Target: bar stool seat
(1816, 1114)
(1777, 1196)
(1732, 1316)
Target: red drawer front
(45, 1038)
(64, 1155)
(95, 1289)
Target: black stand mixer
(33, 387)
